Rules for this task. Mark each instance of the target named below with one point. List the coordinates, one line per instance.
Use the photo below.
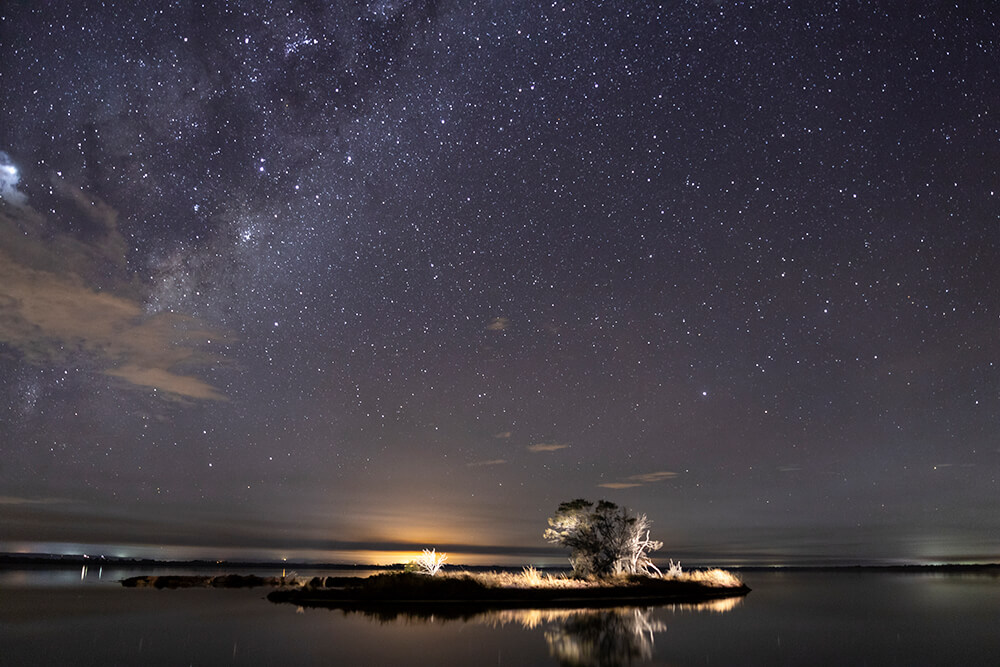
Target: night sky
(344, 280)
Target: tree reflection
(615, 636)
(575, 637)
(604, 637)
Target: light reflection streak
(577, 636)
(618, 635)
(533, 618)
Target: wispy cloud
(640, 480)
(498, 324)
(58, 302)
(17, 500)
(491, 462)
(503, 435)
(547, 447)
(651, 477)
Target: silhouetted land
(199, 581)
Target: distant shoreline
(79, 560)
(55, 560)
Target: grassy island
(478, 590)
(507, 590)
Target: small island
(609, 554)
(494, 590)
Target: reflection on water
(40, 576)
(616, 636)
(604, 637)
(534, 618)
(577, 637)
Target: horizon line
(698, 563)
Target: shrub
(429, 562)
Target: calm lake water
(791, 618)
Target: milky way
(281, 278)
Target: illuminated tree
(604, 539)
(430, 562)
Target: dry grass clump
(530, 577)
(715, 577)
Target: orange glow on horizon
(402, 557)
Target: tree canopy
(604, 539)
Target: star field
(294, 279)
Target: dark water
(792, 618)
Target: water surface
(790, 618)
